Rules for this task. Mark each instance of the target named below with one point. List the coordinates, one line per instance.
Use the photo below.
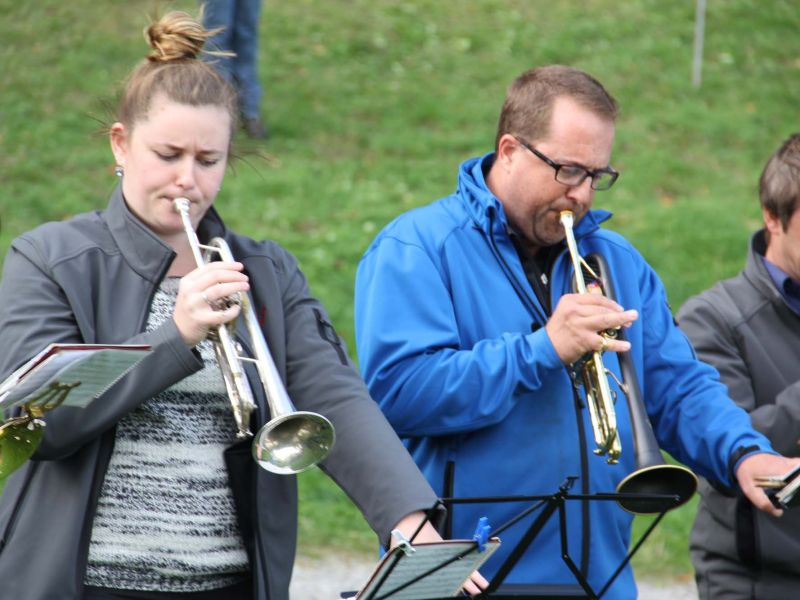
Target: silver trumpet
(292, 441)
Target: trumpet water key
(292, 441)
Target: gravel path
(318, 579)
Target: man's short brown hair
(779, 186)
(528, 106)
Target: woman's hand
(201, 303)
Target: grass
(373, 104)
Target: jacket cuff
(737, 457)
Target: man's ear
(118, 136)
(772, 222)
(506, 146)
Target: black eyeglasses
(574, 175)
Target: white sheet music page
(443, 583)
(94, 368)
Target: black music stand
(548, 506)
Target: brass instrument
(653, 476)
(599, 398)
(292, 441)
(781, 489)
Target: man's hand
(575, 326)
(758, 466)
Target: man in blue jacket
(467, 329)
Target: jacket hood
(486, 210)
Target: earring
(118, 171)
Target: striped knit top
(165, 519)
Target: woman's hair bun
(175, 36)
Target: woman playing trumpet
(149, 493)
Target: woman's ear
(118, 136)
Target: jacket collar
(756, 271)
(144, 251)
(485, 208)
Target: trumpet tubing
(667, 485)
(593, 378)
(654, 487)
(292, 441)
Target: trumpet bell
(677, 484)
(293, 443)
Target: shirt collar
(788, 287)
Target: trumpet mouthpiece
(180, 204)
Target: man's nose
(581, 194)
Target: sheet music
(443, 583)
(94, 368)
(788, 495)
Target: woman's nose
(185, 173)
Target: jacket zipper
(532, 307)
(537, 311)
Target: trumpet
(599, 398)
(292, 441)
(655, 486)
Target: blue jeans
(240, 18)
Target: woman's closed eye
(173, 156)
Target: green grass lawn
(372, 105)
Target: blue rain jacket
(452, 345)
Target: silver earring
(118, 171)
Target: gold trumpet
(655, 486)
(292, 441)
(599, 398)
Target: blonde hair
(173, 68)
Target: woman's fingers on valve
(216, 286)
(218, 272)
(223, 296)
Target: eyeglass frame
(593, 173)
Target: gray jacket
(91, 280)
(743, 327)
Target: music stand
(549, 505)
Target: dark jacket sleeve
(710, 321)
(35, 311)
(368, 461)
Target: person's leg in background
(245, 44)
(240, 22)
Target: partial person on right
(748, 327)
